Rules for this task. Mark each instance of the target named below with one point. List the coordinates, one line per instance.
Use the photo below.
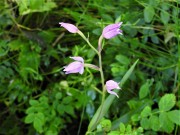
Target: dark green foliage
(36, 97)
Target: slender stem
(102, 77)
(101, 69)
(99, 91)
(82, 35)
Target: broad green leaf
(90, 109)
(165, 123)
(145, 123)
(154, 3)
(31, 110)
(146, 111)
(144, 90)
(165, 17)
(140, 130)
(29, 118)
(149, 13)
(167, 102)
(67, 100)
(35, 4)
(154, 122)
(58, 95)
(174, 116)
(33, 102)
(128, 129)
(135, 117)
(15, 45)
(114, 133)
(30, 6)
(39, 120)
(69, 109)
(122, 128)
(106, 125)
(122, 59)
(51, 132)
(102, 110)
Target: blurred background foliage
(36, 97)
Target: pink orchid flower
(75, 67)
(112, 30)
(70, 27)
(110, 85)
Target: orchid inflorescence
(78, 65)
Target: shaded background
(36, 97)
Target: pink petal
(73, 66)
(111, 27)
(80, 59)
(112, 30)
(81, 70)
(110, 85)
(113, 93)
(70, 27)
(111, 34)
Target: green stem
(102, 82)
(102, 78)
(82, 35)
(101, 69)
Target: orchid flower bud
(70, 27)
(75, 67)
(110, 85)
(112, 30)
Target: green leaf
(145, 123)
(167, 102)
(149, 13)
(31, 110)
(165, 123)
(67, 100)
(146, 111)
(30, 6)
(69, 109)
(174, 116)
(165, 17)
(102, 110)
(122, 128)
(33, 102)
(144, 90)
(58, 95)
(135, 117)
(114, 133)
(29, 118)
(38, 123)
(154, 122)
(140, 130)
(106, 125)
(15, 45)
(122, 59)
(129, 128)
